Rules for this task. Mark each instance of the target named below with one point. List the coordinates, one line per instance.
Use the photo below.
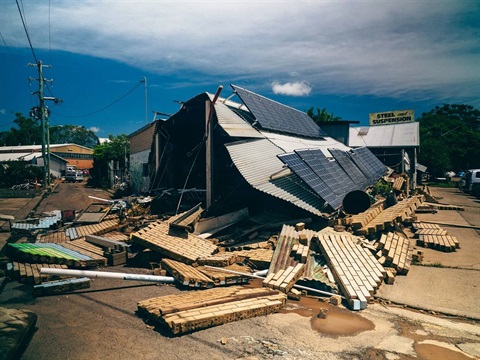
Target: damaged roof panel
(290, 143)
(234, 125)
(258, 163)
(271, 115)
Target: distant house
(255, 153)
(57, 164)
(73, 154)
(396, 145)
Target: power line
(26, 31)
(105, 107)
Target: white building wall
(138, 161)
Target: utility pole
(44, 121)
(146, 99)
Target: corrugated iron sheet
(398, 135)
(257, 162)
(290, 143)
(234, 125)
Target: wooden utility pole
(209, 107)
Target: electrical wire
(103, 108)
(26, 31)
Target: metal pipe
(108, 275)
(260, 277)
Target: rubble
(348, 261)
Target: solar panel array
(333, 179)
(273, 116)
(364, 158)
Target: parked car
(469, 180)
(73, 176)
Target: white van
(469, 180)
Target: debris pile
(347, 261)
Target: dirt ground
(101, 322)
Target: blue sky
(350, 57)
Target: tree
(449, 138)
(322, 115)
(66, 134)
(115, 150)
(27, 132)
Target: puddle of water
(338, 322)
(434, 352)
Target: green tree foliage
(26, 132)
(322, 115)
(116, 149)
(449, 139)
(18, 172)
(29, 132)
(72, 134)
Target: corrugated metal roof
(257, 162)
(31, 148)
(234, 125)
(289, 143)
(19, 156)
(398, 135)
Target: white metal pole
(108, 275)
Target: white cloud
(292, 88)
(415, 49)
(94, 129)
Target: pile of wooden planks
(357, 272)
(386, 219)
(434, 237)
(187, 275)
(197, 310)
(395, 251)
(181, 246)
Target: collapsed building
(255, 153)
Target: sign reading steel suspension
(392, 117)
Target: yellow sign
(392, 117)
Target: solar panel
(370, 161)
(272, 115)
(309, 177)
(350, 168)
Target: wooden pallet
(220, 259)
(77, 232)
(387, 218)
(220, 277)
(30, 273)
(187, 275)
(437, 231)
(398, 183)
(357, 272)
(445, 243)
(207, 308)
(395, 251)
(175, 244)
(261, 258)
(421, 225)
(284, 279)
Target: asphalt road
(101, 322)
